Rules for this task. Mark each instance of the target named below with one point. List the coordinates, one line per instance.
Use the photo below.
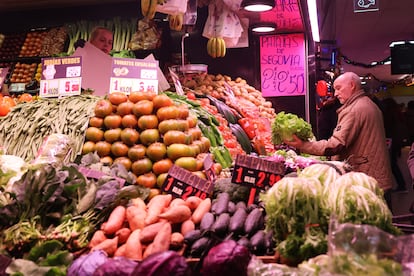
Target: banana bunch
(176, 21)
(216, 47)
(148, 7)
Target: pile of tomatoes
(8, 102)
(147, 133)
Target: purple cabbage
(117, 266)
(86, 265)
(163, 264)
(227, 258)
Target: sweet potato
(120, 251)
(123, 234)
(149, 232)
(201, 209)
(192, 202)
(115, 221)
(163, 239)
(138, 202)
(133, 247)
(155, 207)
(177, 201)
(176, 214)
(187, 226)
(135, 217)
(98, 237)
(147, 251)
(177, 240)
(108, 245)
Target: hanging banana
(176, 21)
(148, 8)
(216, 47)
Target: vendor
(359, 136)
(101, 38)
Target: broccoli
(237, 192)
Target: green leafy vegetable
(287, 124)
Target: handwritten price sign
(256, 172)
(182, 183)
(282, 65)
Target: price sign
(129, 74)
(61, 76)
(182, 183)
(3, 74)
(282, 65)
(256, 172)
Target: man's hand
(296, 142)
(79, 43)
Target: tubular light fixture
(313, 17)
(263, 28)
(258, 5)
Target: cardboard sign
(282, 65)
(183, 183)
(256, 172)
(130, 74)
(3, 75)
(61, 76)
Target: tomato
(9, 100)
(168, 112)
(149, 136)
(162, 100)
(143, 107)
(141, 166)
(187, 162)
(88, 147)
(192, 121)
(124, 108)
(94, 134)
(25, 97)
(112, 135)
(161, 179)
(153, 192)
(173, 124)
(96, 122)
(129, 136)
(113, 121)
(107, 160)
(176, 136)
(4, 108)
(118, 149)
(129, 120)
(117, 98)
(175, 151)
(123, 161)
(103, 148)
(136, 152)
(156, 151)
(147, 121)
(183, 111)
(162, 166)
(103, 108)
(195, 133)
(137, 96)
(191, 96)
(147, 180)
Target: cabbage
(227, 258)
(86, 265)
(287, 124)
(117, 266)
(163, 263)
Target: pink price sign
(3, 75)
(282, 65)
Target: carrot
(148, 250)
(177, 201)
(138, 202)
(108, 245)
(187, 226)
(97, 238)
(155, 207)
(149, 232)
(120, 251)
(162, 240)
(201, 209)
(133, 246)
(177, 240)
(176, 214)
(115, 221)
(135, 217)
(192, 202)
(123, 234)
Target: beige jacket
(359, 139)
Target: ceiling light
(258, 5)
(262, 28)
(313, 17)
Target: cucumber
(236, 224)
(207, 221)
(258, 244)
(220, 226)
(254, 221)
(222, 204)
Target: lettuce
(287, 124)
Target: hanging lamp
(258, 5)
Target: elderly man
(359, 136)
